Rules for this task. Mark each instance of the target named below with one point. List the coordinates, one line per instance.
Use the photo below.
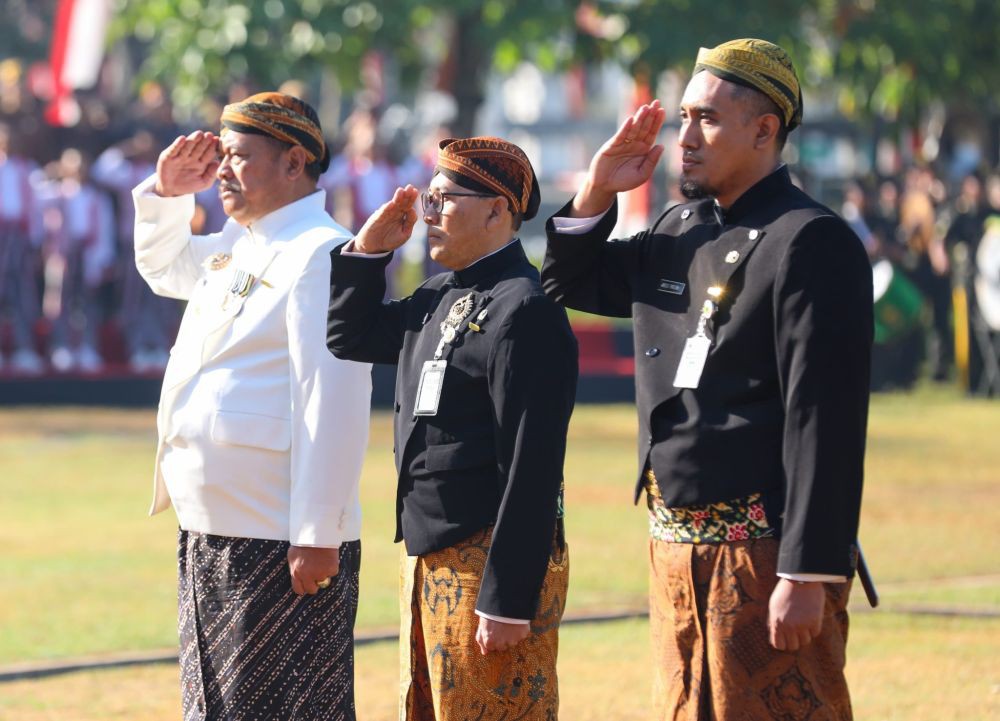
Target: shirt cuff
(502, 619)
(349, 250)
(813, 577)
(577, 226)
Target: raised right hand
(391, 225)
(188, 164)
(624, 162)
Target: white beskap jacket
(262, 432)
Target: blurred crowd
(935, 252)
(72, 302)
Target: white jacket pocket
(251, 429)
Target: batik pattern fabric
(712, 658)
(250, 648)
(736, 520)
(443, 674)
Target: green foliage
(893, 57)
(879, 58)
(200, 47)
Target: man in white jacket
(261, 430)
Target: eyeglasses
(433, 200)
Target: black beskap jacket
(494, 452)
(781, 408)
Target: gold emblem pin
(218, 261)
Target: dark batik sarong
(251, 650)
(443, 674)
(712, 658)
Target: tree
(883, 58)
(201, 46)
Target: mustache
(234, 187)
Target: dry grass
(899, 669)
(84, 571)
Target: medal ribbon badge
(239, 287)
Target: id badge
(692, 362)
(429, 389)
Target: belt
(723, 522)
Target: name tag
(692, 362)
(429, 390)
(673, 287)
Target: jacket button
(653, 352)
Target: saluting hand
(391, 225)
(795, 614)
(624, 162)
(188, 164)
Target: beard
(693, 190)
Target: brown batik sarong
(252, 650)
(712, 659)
(443, 674)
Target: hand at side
(795, 614)
(309, 566)
(498, 636)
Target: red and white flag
(76, 54)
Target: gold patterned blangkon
(760, 65)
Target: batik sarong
(443, 674)
(252, 650)
(712, 658)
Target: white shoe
(62, 359)
(88, 360)
(27, 362)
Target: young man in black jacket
(752, 307)
(485, 386)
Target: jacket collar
(271, 226)
(490, 265)
(757, 195)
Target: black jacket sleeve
(823, 329)
(532, 372)
(360, 327)
(587, 272)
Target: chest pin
(732, 256)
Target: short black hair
(755, 104)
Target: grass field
(85, 572)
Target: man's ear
(295, 163)
(497, 209)
(768, 126)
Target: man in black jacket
(484, 391)
(753, 327)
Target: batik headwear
(283, 117)
(760, 65)
(494, 166)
